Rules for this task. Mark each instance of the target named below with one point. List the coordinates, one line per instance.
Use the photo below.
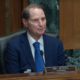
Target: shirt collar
(31, 40)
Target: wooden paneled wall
(16, 7)
(15, 15)
(2, 18)
(69, 23)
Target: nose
(40, 23)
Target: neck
(36, 37)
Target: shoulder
(17, 39)
(51, 38)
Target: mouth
(41, 29)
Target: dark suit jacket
(19, 57)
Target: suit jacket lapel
(27, 51)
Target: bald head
(26, 13)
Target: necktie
(38, 58)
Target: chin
(41, 33)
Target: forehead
(36, 12)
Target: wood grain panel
(77, 18)
(41, 76)
(2, 18)
(25, 3)
(15, 15)
(69, 23)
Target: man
(20, 56)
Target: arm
(12, 59)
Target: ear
(24, 22)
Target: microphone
(41, 52)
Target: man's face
(36, 23)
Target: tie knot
(36, 44)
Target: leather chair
(5, 39)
